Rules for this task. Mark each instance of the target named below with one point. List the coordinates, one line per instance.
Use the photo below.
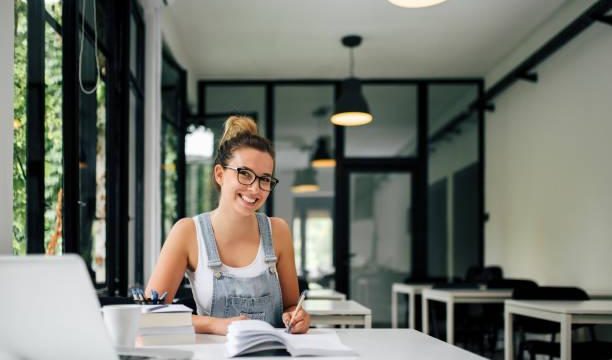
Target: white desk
(412, 290)
(459, 296)
(337, 312)
(370, 344)
(565, 313)
(325, 294)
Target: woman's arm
(173, 260)
(180, 251)
(288, 276)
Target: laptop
(49, 310)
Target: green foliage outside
(19, 125)
(53, 126)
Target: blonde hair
(240, 131)
(236, 125)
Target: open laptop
(49, 310)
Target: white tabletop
(325, 294)
(368, 343)
(335, 307)
(404, 288)
(566, 307)
(483, 294)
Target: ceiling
(290, 39)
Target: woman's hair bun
(236, 125)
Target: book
(170, 315)
(166, 330)
(249, 336)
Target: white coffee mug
(122, 323)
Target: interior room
(440, 165)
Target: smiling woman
(240, 263)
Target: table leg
(425, 314)
(566, 337)
(368, 321)
(450, 326)
(394, 296)
(411, 310)
(508, 336)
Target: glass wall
(380, 243)
(454, 183)
(301, 117)
(393, 132)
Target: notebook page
(316, 342)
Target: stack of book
(165, 325)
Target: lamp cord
(92, 90)
(352, 63)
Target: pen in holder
(139, 297)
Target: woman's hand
(301, 322)
(222, 324)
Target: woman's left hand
(301, 322)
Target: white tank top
(201, 279)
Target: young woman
(240, 263)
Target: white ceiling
(275, 39)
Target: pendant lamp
(321, 158)
(415, 3)
(305, 181)
(351, 108)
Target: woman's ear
(218, 170)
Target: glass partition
(301, 116)
(380, 238)
(393, 132)
(454, 182)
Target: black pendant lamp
(321, 158)
(305, 181)
(351, 108)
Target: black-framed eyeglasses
(246, 176)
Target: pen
(163, 297)
(297, 307)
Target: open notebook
(248, 336)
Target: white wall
(6, 124)
(548, 172)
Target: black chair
(494, 313)
(592, 349)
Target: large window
(69, 161)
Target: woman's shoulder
(279, 224)
(183, 231)
(280, 233)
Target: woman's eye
(266, 179)
(245, 174)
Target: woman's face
(245, 199)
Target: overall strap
(266, 238)
(214, 261)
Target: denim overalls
(257, 297)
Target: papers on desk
(249, 336)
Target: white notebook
(248, 336)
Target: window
(66, 172)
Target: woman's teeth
(248, 199)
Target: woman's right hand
(223, 323)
